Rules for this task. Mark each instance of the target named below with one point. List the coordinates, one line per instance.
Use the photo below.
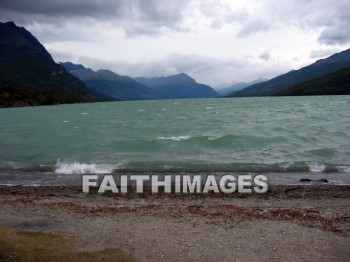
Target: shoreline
(274, 179)
(308, 222)
(274, 191)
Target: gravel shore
(290, 223)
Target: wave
(316, 167)
(174, 138)
(285, 167)
(76, 167)
(81, 168)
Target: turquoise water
(287, 134)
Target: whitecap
(316, 167)
(120, 166)
(345, 169)
(81, 168)
(287, 165)
(65, 121)
(84, 113)
(174, 138)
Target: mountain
(29, 75)
(238, 86)
(178, 86)
(107, 85)
(337, 83)
(292, 78)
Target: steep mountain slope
(337, 83)
(315, 70)
(107, 85)
(178, 86)
(29, 75)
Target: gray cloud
(254, 26)
(265, 56)
(336, 34)
(330, 17)
(153, 17)
(65, 7)
(134, 16)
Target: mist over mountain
(29, 75)
(238, 86)
(292, 78)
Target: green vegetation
(20, 245)
(337, 83)
(16, 97)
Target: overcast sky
(211, 40)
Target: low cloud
(323, 53)
(207, 70)
(254, 26)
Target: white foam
(84, 113)
(287, 165)
(65, 121)
(80, 168)
(174, 138)
(345, 169)
(120, 166)
(315, 167)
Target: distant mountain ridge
(107, 85)
(292, 78)
(29, 75)
(238, 86)
(178, 86)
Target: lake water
(273, 135)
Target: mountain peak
(11, 23)
(178, 86)
(181, 77)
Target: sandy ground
(310, 223)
